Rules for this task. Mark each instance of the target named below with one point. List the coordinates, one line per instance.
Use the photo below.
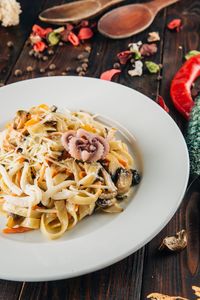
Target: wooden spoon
(128, 20)
(75, 11)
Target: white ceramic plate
(100, 240)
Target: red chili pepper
(85, 33)
(73, 39)
(162, 103)
(39, 46)
(124, 56)
(41, 31)
(174, 24)
(108, 75)
(181, 85)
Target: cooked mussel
(123, 180)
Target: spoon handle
(157, 5)
(106, 3)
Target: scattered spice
(124, 56)
(10, 44)
(68, 69)
(82, 73)
(39, 46)
(79, 69)
(60, 44)
(84, 66)
(31, 52)
(138, 69)
(88, 49)
(108, 75)
(85, 33)
(29, 69)
(51, 73)
(52, 67)
(175, 25)
(73, 39)
(64, 73)
(116, 65)
(196, 290)
(53, 38)
(86, 60)
(45, 58)
(42, 70)
(162, 103)
(175, 243)
(148, 49)
(152, 67)
(50, 52)
(153, 37)
(18, 73)
(158, 296)
(191, 54)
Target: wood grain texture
(174, 274)
(18, 35)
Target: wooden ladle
(131, 19)
(75, 11)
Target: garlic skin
(9, 12)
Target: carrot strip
(16, 230)
(123, 162)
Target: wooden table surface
(146, 270)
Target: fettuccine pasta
(58, 167)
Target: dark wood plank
(9, 290)
(175, 274)
(18, 35)
(116, 282)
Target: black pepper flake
(52, 67)
(18, 73)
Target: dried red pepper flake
(175, 24)
(42, 32)
(39, 46)
(69, 27)
(162, 103)
(124, 56)
(108, 75)
(73, 39)
(85, 33)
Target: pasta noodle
(58, 167)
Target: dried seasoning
(162, 103)
(85, 33)
(138, 69)
(191, 54)
(175, 243)
(39, 47)
(175, 24)
(158, 296)
(148, 49)
(108, 75)
(152, 67)
(73, 39)
(153, 37)
(196, 290)
(124, 56)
